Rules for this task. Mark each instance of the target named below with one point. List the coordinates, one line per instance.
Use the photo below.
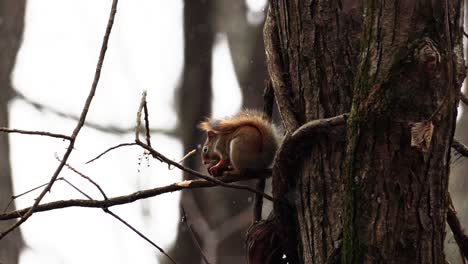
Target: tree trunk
(316, 43)
(11, 30)
(367, 196)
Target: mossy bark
(366, 195)
(318, 43)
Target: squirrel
(245, 141)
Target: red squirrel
(245, 141)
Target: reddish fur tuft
(205, 125)
(228, 125)
(245, 118)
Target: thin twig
(457, 229)
(189, 227)
(163, 158)
(125, 199)
(38, 133)
(147, 128)
(89, 179)
(138, 117)
(78, 189)
(460, 147)
(78, 127)
(106, 210)
(464, 98)
(268, 98)
(140, 234)
(258, 203)
(186, 156)
(110, 149)
(13, 197)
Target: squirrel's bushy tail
(244, 118)
(252, 118)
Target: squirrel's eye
(205, 149)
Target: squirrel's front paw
(215, 171)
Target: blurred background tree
(219, 217)
(11, 33)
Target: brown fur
(224, 130)
(244, 118)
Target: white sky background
(56, 66)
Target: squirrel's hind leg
(245, 149)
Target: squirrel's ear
(210, 134)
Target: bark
(316, 43)
(369, 196)
(411, 71)
(11, 30)
(458, 183)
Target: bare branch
(317, 126)
(26, 192)
(164, 159)
(460, 147)
(268, 98)
(258, 203)
(38, 133)
(189, 227)
(186, 156)
(147, 129)
(119, 200)
(89, 179)
(464, 98)
(140, 234)
(110, 149)
(138, 117)
(106, 210)
(78, 127)
(457, 229)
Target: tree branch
(38, 133)
(164, 159)
(460, 147)
(25, 216)
(268, 98)
(464, 98)
(125, 199)
(110, 149)
(457, 229)
(107, 211)
(195, 240)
